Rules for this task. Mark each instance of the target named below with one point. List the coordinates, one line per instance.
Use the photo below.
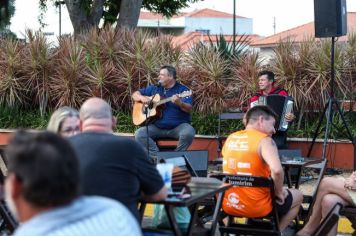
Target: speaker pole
(328, 110)
(332, 94)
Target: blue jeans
(184, 133)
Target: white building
(206, 21)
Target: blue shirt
(89, 216)
(172, 115)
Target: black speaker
(330, 18)
(197, 158)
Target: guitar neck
(164, 101)
(181, 95)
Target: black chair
(224, 117)
(310, 199)
(293, 175)
(198, 159)
(329, 221)
(290, 152)
(268, 225)
(350, 213)
(7, 222)
(181, 162)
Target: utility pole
(274, 25)
(59, 5)
(158, 30)
(234, 29)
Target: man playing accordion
(265, 83)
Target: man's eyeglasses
(70, 130)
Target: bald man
(113, 166)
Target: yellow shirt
(240, 157)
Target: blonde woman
(65, 122)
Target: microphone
(159, 84)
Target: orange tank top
(240, 156)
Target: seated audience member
(64, 121)
(41, 190)
(110, 165)
(253, 152)
(331, 191)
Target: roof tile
(302, 33)
(206, 12)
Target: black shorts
(283, 209)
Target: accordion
(281, 105)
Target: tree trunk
(97, 11)
(80, 20)
(129, 13)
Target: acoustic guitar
(139, 109)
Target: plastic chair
(329, 221)
(223, 117)
(310, 199)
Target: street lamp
(59, 5)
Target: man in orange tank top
(253, 152)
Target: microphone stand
(148, 107)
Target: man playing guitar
(175, 118)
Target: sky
(287, 14)
(26, 16)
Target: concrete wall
(266, 54)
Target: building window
(203, 31)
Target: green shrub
(16, 118)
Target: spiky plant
(289, 63)
(109, 46)
(37, 66)
(69, 85)
(245, 78)
(92, 47)
(210, 81)
(349, 73)
(160, 51)
(126, 74)
(129, 70)
(12, 88)
(140, 59)
(319, 70)
(305, 53)
(104, 82)
(152, 59)
(168, 54)
(103, 55)
(227, 49)
(136, 49)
